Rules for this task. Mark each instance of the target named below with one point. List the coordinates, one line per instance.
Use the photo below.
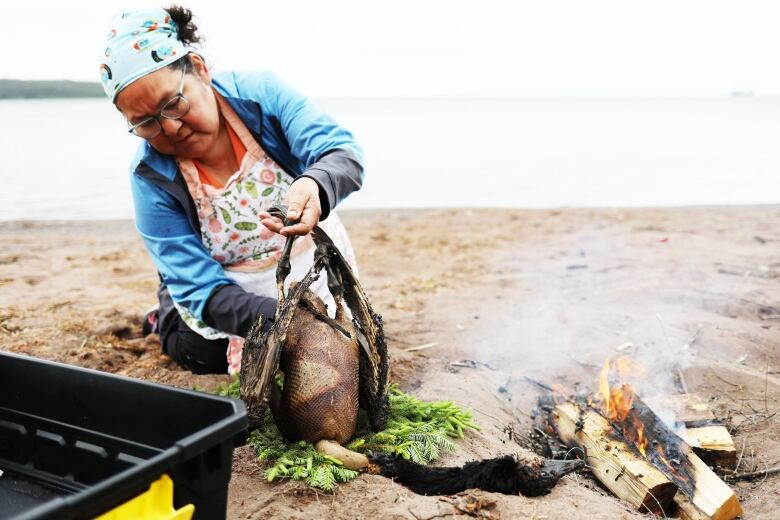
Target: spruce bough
(416, 430)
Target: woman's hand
(303, 206)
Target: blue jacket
(299, 137)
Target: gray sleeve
(233, 310)
(338, 173)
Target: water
(65, 159)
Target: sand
(545, 294)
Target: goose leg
(336, 288)
(284, 267)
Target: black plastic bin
(75, 443)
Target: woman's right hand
(303, 206)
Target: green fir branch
(416, 430)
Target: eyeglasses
(175, 108)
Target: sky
(438, 48)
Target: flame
(641, 440)
(615, 400)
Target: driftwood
(613, 462)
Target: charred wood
(675, 459)
(501, 475)
(616, 464)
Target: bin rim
(237, 404)
(124, 485)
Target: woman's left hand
(303, 206)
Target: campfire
(653, 465)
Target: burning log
(712, 497)
(612, 461)
(707, 493)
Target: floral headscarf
(139, 42)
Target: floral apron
(232, 232)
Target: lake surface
(68, 159)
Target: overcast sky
(433, 47)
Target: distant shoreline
(52, 89)
(26, 89)
(97, 224)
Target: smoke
(567, 302)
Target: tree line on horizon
(27, 89)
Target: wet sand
(546, 294)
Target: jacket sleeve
(194, 279)
(328, 151)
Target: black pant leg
(196, 353)
(188, 349)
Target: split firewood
(713, 444)
(686, 510)
(711, 498)
(707, 493)
(613, 462)
(698, 427)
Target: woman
(219, 150)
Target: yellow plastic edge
(154, 504)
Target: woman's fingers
(276, 227)
(303, 210)
(309, 218)
(303, 206)
(299, 197)
(272, 223)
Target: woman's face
(192, 135)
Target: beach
(494, 295)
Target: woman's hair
(188, 31)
